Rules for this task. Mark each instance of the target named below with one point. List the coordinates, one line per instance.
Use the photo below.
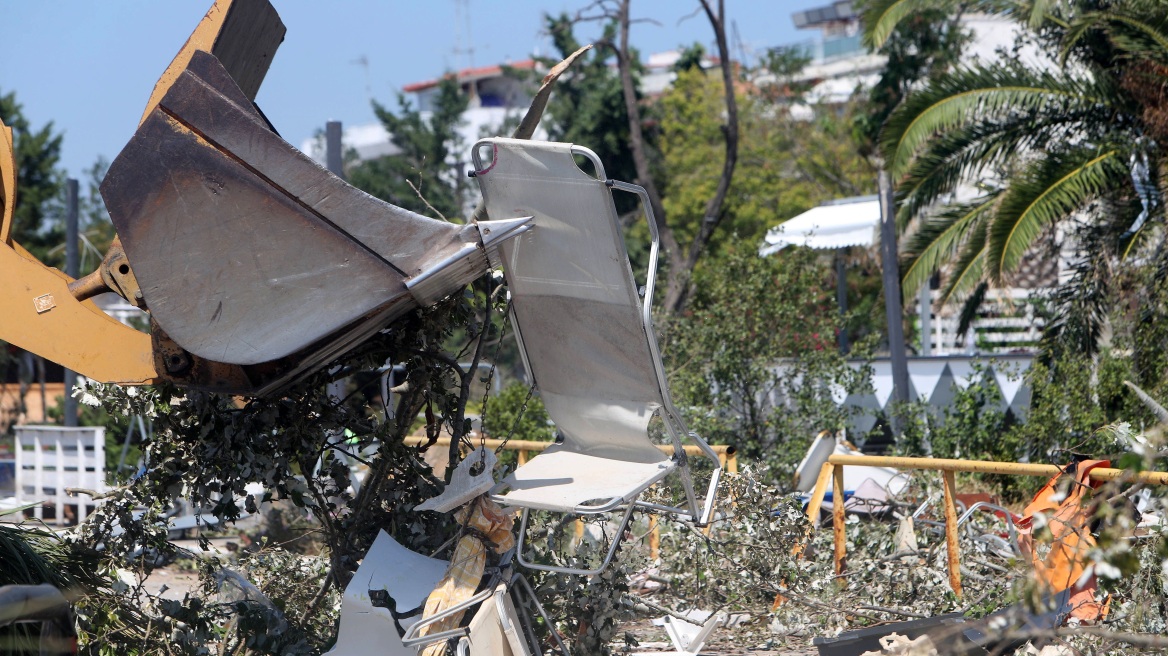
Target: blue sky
(89, 66)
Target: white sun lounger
(586, 338)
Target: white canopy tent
(837, 224)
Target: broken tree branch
(535, 111)
(679, 283)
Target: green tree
(786, 165)
(1044, 143)
(425, 175)
(753, 360)
(518, 414)
(39, 183)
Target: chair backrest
(575, 306)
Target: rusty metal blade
(246, 250)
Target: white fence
(50, 459)
(1007, 322)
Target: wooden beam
(839, 519)
(951, 529)
(7, 183)
(532, 445)
(992, 467)
(818, 492)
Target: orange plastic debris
(1071, 540)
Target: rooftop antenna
(462, 32)
(363, 62)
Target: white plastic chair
(586, 338)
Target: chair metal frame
(502, 582)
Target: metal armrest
(572, 570)
(411, 638)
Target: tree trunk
(681, 264)
(672, 252)
(714, 215)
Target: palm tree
(1083, 137)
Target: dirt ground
(653, 639)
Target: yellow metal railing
(833, 472)
(727, 454)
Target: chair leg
(522, 580)
(572, 570)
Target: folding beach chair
(495, 630)
(586, 338)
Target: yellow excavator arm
(46, 312)
(39, 314)
(256, 265)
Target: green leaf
(939, 239)
(1131, 462)
(1045, 192)
(966, 272)
(881, 17)
(1143, 36)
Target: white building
(496, 99)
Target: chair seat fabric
(562, 480)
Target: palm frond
(1141, 34)
(970, 307)
(1125, 214)
(981, 93)
(31, 557)
(963, 154)
(938, 239)
(1081, 304)
(1039, 11)
(967, 269)
(881, 17)
(1049, 190)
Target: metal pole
(892, 307)
(72, 266)
(332, 158)
(925, 307)
(332, 145)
